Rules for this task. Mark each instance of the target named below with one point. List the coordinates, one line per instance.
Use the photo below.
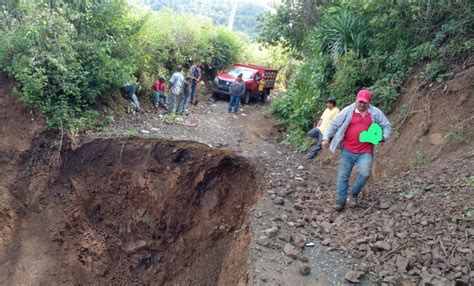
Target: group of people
(341, 130)
(182, 90)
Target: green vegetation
(419, 160)
(470, 181)
(347, 45)
(218, 11)
(68, 56)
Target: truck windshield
(246, 72)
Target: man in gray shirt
(236, 90)
(176, 82)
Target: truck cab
(223, 80)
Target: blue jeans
(159, 95)
(130, 91)
(193, 91)
(182, 102)
(314, 149)
(346, 163)
(234, 102)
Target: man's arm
(385, 125)
(200, 74)
(242, 89)
(334, 126)
(191, 72)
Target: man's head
(331, 103)
(179, 68)
(198, 63)
(239, 77)
(162, 79)
(363, 100)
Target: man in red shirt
(159, 88)
(346, 129)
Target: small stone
(290, 251)
(357, 254)
(436, 138)
(384, 205)
(361, 240)
(305, 269)
(382, 245)
(299, 240)
(353, 276)
(278, 201)
(326, 242)
(300, 167)
(402, 264)
(298, 207)
(271, 231)
(263, 241)
(285, 237)
(363, 267)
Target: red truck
(223, 80)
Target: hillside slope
(429, 124)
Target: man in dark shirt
(236, 90)
(195, 73)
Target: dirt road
(287, 174)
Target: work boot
(353, 202)
(339, 208)
(311, 155)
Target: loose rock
(353, 276)
(278, 201)
(305, 269)
(290, 251)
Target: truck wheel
(246, 98)
(216, 96)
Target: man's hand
(325, 144)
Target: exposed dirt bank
(136, 210)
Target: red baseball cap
(364, 95)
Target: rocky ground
(415, 229)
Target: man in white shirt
(176, 82)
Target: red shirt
(158, 86)
(358, 124)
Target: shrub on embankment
(65, 54)
(373, 44)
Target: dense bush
(66, 54)
(371, 44)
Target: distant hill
(217, 10)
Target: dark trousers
(314, 149)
